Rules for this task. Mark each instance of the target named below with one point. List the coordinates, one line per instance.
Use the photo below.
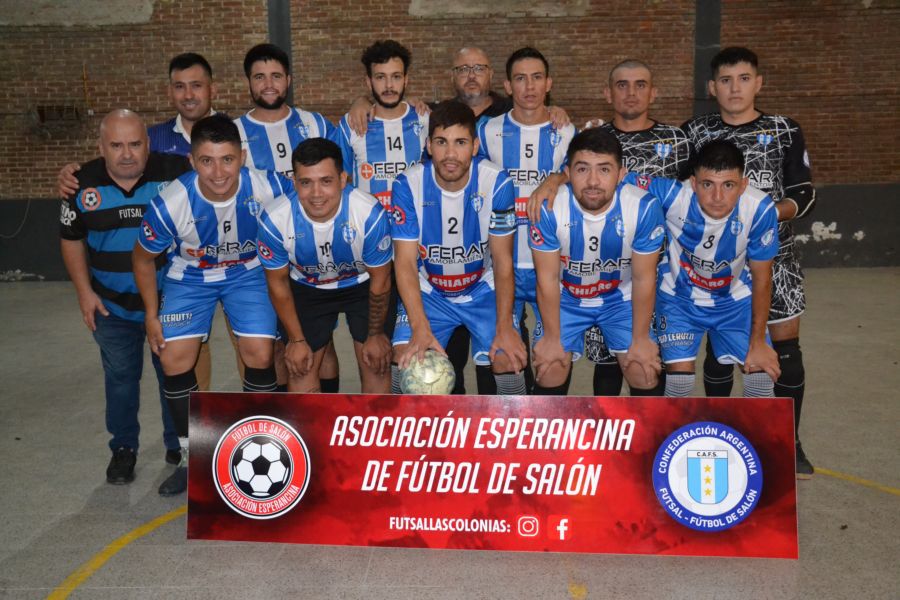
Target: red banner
(697, 476)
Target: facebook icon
(559, 527)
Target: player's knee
(790, 359)
(553, 377)
(257, 353)
(501, 363)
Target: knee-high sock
(792, 382)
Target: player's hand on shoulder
(559, 118)
(361, 112)
(546, 191)
(762, 357)
(419, 105)
(154, 334)
(593, 123)
(298, 358)
(376, 353)
(66, 182)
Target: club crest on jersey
(707, 476)
(555, 138)
(477, 200)
(264, 251)
(384, 244)
(261, 467)
(149, 234)
(303, 130)
(663, 150)
(764, 138)
(536, 238)
(398, 215)
(348, 233)
(91, 199)
(252, 206)
(736, 227)
(620, 227)
(656, 233)
(417, 128)
(767, 238)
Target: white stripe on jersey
(270, 145)
(529, 153)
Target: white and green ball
(432, 375)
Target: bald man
(99, 225)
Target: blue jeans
(122, 354)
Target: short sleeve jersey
(269, 145)
(596, 250)
(210, 241)
(660, 151)
(329, 255)
(774, 152)
(529, 153)
(389, 147)
(108, 219)
(452, 228)
(708, 257)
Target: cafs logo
(707, 476)
(261, 467)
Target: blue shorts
(614, 318)
(526, 291)
(479, 316)
(187, 309)
(680, 326)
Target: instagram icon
(529, 526)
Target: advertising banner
(686, 476)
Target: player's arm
(75, 259)
(799, 193)
(548, 349)
(406, 253)
(506, 338)
(376, 351)
(66, 182)
(761, 356)
(643, 350)
(559, 118)
(298, 356)
(545, 192)
(143, 262)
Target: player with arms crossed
(453, 226)
(326, 248)
(210, 215)
(777, 163)
(526, 144)
(722, 239)
(607, 237)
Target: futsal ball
(432, 375)
(261, 467)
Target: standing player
(526, 144)
(777, 163)
(722, 239)
(607, 237)
(453, 225)
(98, 228)
(210, 216)
(270, 132)
(335, 241)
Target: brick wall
(828, 64)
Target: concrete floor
(58, 512)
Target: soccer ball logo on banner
(261, 467)
(432, 375)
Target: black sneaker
(121, 466)
(175, 484)
(804, 467)
(173, 457)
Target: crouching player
(605, 237)
(210, 216)
(453, 226)
(326, 248)
(723, 236)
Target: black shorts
(788, 297)
(318, 311)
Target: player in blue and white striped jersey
(453, 225)
(272, 129)
(595, 255)
(395, 139)
(207, 222)
(326, 248)
(723, 236)
(530, 148)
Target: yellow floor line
(858, 480)
(99, 559)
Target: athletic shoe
(121, 466)
(175, 484)
(173, 457)
(804, 467)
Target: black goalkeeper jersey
(660, 151)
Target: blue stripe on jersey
(471, 224)
(341, 249)
(258, 144)
(431, 227)
(305, 251)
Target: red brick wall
(828, 64)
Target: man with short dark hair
(210, 215)
(326, 248)
(595, 255)
(98, 228)
(777, 163)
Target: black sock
(718, 379)
(458, 353)
(484, 379)
(792, 382)
(608, 379)
(330, 385)
(177, 389)
(260, 380)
